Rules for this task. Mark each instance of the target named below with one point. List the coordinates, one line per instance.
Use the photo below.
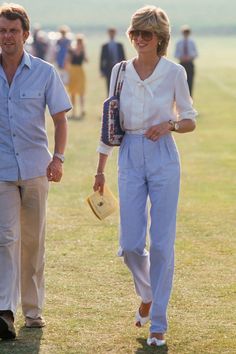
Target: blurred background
(91, 16)
(212, 23)
(202, 312)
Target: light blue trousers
(149, 169)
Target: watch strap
(61, 157)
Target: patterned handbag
(112, 132)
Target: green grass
(90, 301)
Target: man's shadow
(150, 349)
(27, 341)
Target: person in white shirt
(186, 52)
(154, 102)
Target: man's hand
(156, 131)
(54, 170)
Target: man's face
(112, 33)
(12, 37)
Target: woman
(77, 80)
(154, 102)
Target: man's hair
(13, 12)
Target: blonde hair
(154, 19)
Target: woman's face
(144, 41)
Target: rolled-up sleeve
(103, 148)
(183, 99)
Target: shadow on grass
(147, 349)
(27, 342)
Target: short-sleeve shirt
(186, 45)
(63, 46)
(24, 152)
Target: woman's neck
(147, 61)
(145, 65)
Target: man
(111, 53)
(186, 52)
(62, 47)
(40, 43)
(27, 85)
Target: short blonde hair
(152, 18)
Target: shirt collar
(26, 60)
(156, 74)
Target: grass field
(90, 302)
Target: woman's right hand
(99, 183)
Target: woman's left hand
(156, 131)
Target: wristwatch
(174, 125)
(61, 157)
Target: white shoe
(140, 319)
(156, 342)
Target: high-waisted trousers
(151, 170)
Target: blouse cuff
(191, 114)
(104, 149)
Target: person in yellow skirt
(77, 78)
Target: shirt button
(17, 154)
(14, 135)
(9, 98)
(23, 94)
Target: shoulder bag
(112, 132)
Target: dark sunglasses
(145, 35)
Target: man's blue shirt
(24, 150)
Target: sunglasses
(145, 35)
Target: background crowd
(67, 51)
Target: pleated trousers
(151, 170)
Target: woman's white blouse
(164, 95)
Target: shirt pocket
(31, 103)
(31, 94)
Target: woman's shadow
(28, 341)
(147, 349)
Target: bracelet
(99, 174)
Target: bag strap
(120, 78)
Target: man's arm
(54, 170)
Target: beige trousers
(22, 236)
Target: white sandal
(155, 342)
(140, 319)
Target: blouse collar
(157, 73)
